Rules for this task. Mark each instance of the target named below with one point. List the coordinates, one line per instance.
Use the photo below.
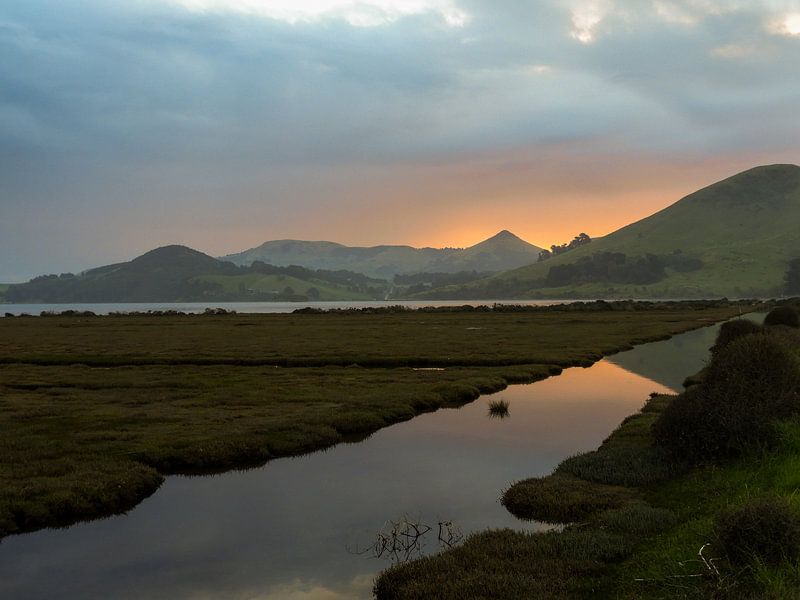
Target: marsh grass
(79, 441)
(764, 530)
(562, 499)
(506, 565)
(391, 340)
(95, 411)
(498, 409)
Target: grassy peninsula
(94, 411)
(693, 497)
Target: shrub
(763, 530)
(750, 383)
(783, 315)
(679, 429)
(732, 330)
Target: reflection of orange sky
(544, 196)
(573, 412)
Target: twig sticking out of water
(402, 540)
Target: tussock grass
(562, 499)
(623, 466)
(786, 315)
(637, 519)
(733, 330)
(764, 530)
(498, 408)
(506, 565)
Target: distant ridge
(501, 252)
(181, 274)
(733, 238)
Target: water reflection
(408, 538)
(669, 363)
(282, 531)
(359, 587)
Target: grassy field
(408, 338)
(277, 283)
(643, 522)
(95, 410)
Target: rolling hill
(733, 238)
(499, 253)
(181, 274)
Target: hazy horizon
(221, 124)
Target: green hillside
(258, 284)
(733, 238)
(378, 261)
(495, 254)
(180, 274)
(499, 253)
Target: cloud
(358, 587)
(787, 25)
(128, 120)
(359, 13)
(587, 16)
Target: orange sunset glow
(427, 123)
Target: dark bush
(764, 530)
(680, 427)
(733, 330)
(751, 383)
(783, 315)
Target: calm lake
(253, 307)
(290, 530)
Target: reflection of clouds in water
(358, 587)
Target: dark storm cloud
(116, 118)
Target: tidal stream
(292, 529)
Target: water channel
(291, 530)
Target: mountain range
(737, 238)
(181, 274)
(287, 270)
(499, 253)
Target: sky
(221, 124)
